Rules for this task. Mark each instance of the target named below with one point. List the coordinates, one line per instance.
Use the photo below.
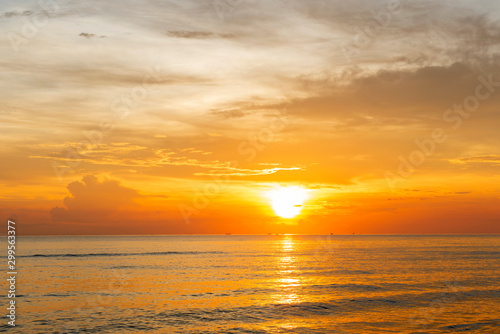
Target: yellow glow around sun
(287, 202)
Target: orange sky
(183, 118)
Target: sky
(159, 117)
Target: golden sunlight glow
(287, 202)
(288, 283)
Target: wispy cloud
(11, 14)
(89, 36)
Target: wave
(472, 326)
(118, 254)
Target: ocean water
(257, 284)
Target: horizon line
(253, 234)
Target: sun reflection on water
(287, 244)
(288, 282)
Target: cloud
(229, 113)
(483, 162)
(197, 34)
(89, 36)
(93, 200)
(389, 96)
(489, 159)
(124, 155)
(247, 172)
(86, 35)
(10, 14)
(189, 34)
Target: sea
(256, 284)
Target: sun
(287, 202)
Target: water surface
(258, 284)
